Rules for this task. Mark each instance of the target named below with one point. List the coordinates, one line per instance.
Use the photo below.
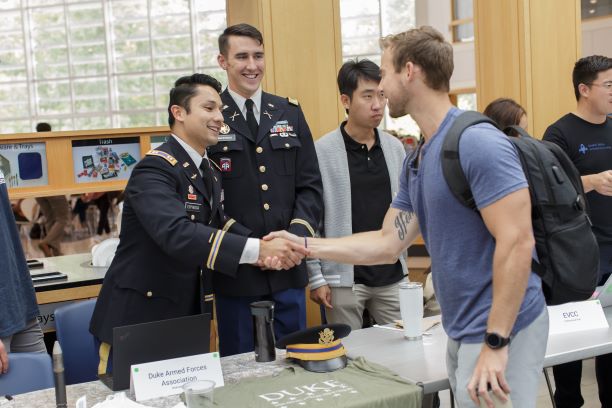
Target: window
(87, 64)
(464, 98)
(462, 24)
(363, 24)
(595, 8)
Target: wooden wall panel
(525, 50)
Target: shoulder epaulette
(215, 164)
(293, 101)
(163, 155)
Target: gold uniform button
(287, 145)
(266, 206)
(259, 149)
(262, 169)
(264, 187)
(149, 294)
(225, 148)
(192, 217)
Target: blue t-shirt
(460, 246)
(17, 299)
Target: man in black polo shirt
(360, 168)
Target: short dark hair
(425, 47)
(505, 112)
(185, 88)
(586, 70)
(241, 30)
(354, 70)
(43, 127)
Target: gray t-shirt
(460, 246)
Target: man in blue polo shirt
(492, 305)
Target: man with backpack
(586, 136)
(493, 309)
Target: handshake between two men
(281, 250)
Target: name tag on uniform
(193, 207)
(227, 138)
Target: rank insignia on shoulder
(293, 101)
(163, 155)
(225, 129)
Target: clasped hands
(281, 250)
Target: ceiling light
(592, 11)
(593, 1)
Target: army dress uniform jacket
(271, 182)
(170, 237)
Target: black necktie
(251, 121)
(207, 176)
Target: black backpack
(568, 255)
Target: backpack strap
(451, 166)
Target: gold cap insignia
(225, 129)
(326, 336)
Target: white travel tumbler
(411, 308)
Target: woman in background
(506, 112)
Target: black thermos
(263, 330)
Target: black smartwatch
(495, 341)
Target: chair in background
(72, 328)
(27, 372)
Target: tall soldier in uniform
(174, 231)
(271, 182)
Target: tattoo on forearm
(401, 223)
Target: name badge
(193, 207)
(227, 138)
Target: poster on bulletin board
(109, 159)
(157, 141)
(24, 164)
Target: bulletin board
(72, 162)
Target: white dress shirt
(241, 103)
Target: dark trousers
(235, 322)
(103, 204)
(568, 376)
(567, 382)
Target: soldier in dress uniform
(271, 182)
(174, 231)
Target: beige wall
(526, 49)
